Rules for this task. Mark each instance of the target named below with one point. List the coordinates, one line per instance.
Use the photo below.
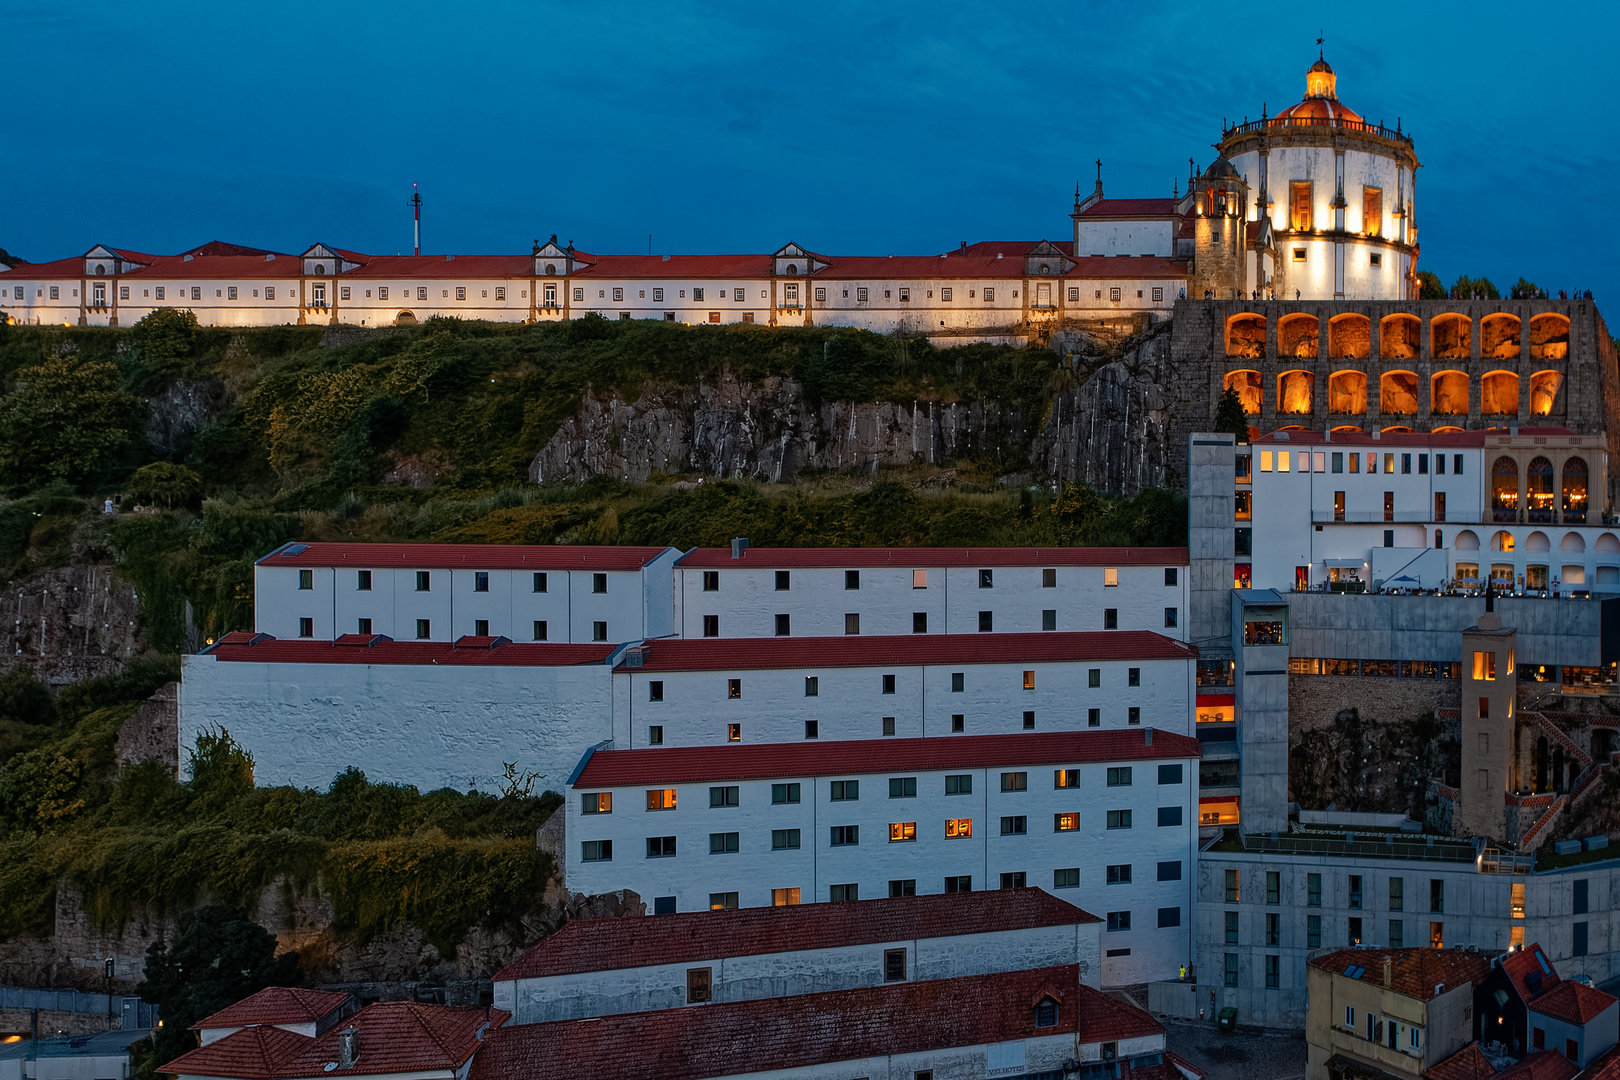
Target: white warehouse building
(1110, 815)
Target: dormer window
(101, 268)
(551, 269)
(793, 269)
(1045, 269)
(320, 268)
(1046, 1013)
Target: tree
(166, 484)
(1429, 287)
(1465, 287)
(1524, 289)
(65, 418)
(165, 339)
(8, 259)
(1229, 416)
(219, 956)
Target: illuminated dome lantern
(1337, 193)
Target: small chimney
(1389, 965)
(1377, 434)
(348, 1048)
(738, 546)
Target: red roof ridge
(1034, 647)
(296, 1005)
(1573, 1002)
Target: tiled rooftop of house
(606, 944)
(728, 654)
(276, 1005)
(923, 557)
(1421, 974)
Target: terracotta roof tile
(701, 267)
(608, 944)
(464, 556)
(254, 1053)
(1529, 966)
(1547, 1065)
(264, 649)
(1362, 439)
(779, 1034)
(1572, 1002)
(1466, 1064)
(1127, 268)
(1131, 208)
(768, 654)
(276, 1005)
(703, 764)
(398, 1036)
(387, 268)
(925, 557)
(1414, 973)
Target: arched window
(1505, 489)
(793, 269)
(1538, 491)
(551, 268)
(320, 268)
(1046, 1013)
(1574, 503)
(1247, 386)
(101, 268)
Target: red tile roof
(700, 764)
(276, 1005)
(1547, 1065)
(1420, 973)
(386, 268)
(1127, 268)
(921, 557)
(254, 1053)
(264, 649)
(1572, 1002)
(219, 268)
(787, 1033)
(701, 267)
(1131, 208)
(1527, 963)
(1606, 1067)
(395, 1037)
(1399, 438)
(465, 556)
(608, 944)
(948, 267)
(56, 270)
(773, 653)
(221, 247)
(1469, 1063)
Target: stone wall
(153, 732)
(70, 623)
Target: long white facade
(1107, 820)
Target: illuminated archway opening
(1448, 393)
(1574, 494)
(1294, 391)
(1505, 489)
(1538, 491)
(1248, 388)
(1349, 337)
(1499, 337)
(1396, 428)
(1445, 428)
(1398, 393)
(1549, 337)
(1347, 392)
(1499, 394)
(1298, 336)
(1544, 392)
(1451, 336)
(1501, 540)
(1398, 337)
(1246, 336)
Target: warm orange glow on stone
(1499, 394)
(1452, 336)
(1544, 392)
(1499, 337)
(1294, 389)
(1298, 336)
(1398, 393)
(1246, 336)
(1347, 392)
(1349, 337)
(1398, 337)
(1549, 337)
(1247, 385)
(1448, 393)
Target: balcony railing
(1381, 130)
(1418, 517)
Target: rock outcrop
(72, 622)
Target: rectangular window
(1093, 717)
(1170, 871)
(364, 626)
(711, 626)
(306, 628)
(596, 851)
(1110, 618)
(958, 828)
(902, 787)
(660, 798)
(1273, 928)
(1029, 720)
(1120, 874)
(1313, 890)
(660, 847)
(1273, 972)
(697, 295)
(1069, 822)
(1273, 887)
(919, 622)
(903, 887)
(1065, 778)
(1169, 917)
(1169, 774)
(894, 965)
(480, 581)
(1397, 893)
(320, 294)
(1372, 211)
(1231, 969)
(725, 795)
(1016, 825)
(1074, 294)
(306, 579)
(1066, 878)
(600, 802)
(785, 839)
(1119, 819)
(1158, 294)
(852, 623)
(812, 729)
(861, 295)
(599, 583)
(424, 629)
(1437, 935)
(540, 633)
(812, 686)
(852, 580)
(1015, 781)
(888, 725)
(1355, 890)
(655, 735)
(784, 794)
(1029, 680)
(1049, 619)
(905, 296)
(960, 884)
(618, 294)
(785, 897)
(1093, 678)
(1119, 920)
(784, 625)
(1231, 886)
(1169, 816)
(1299, 211)
(1119, 776)
(599, 631)
(958, 681)
(845, 835)
(840, 893)
(424, 581)
(1313, 931)
(1397, 934)
(1581, 892)
(1170, 618)
(1437, 894)
(711, 581)
(888, 684)
(845, 790)
(902, 832)
(989, 295)
(1113, 293)
(961, 784)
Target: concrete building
(1107, 814)
(603, 967)
(1389, 1012)
(1041, 1022)
(84, 1057)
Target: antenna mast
(415, 203)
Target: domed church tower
(1337, 193)
(1219, 219)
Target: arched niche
(1573, 543)
(1346, 427)
(1537, 541)
(1608, 544)
(1398, 337)
(1397, 428)
(1467, 540)
(1349, 337)
(1451, 336)
(1499, 394)
(1295, 391)
(1298, 336)
(1347, 392)
(405, 318)
(1505, 489)
(1549, 336)
(1248, 388)
(1544, 387)
(1499, 337)
(1246, 336)
(1448, 393)
(1398, 393)
(1573, 492)
(1445, 428)
(1501, 540)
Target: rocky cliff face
(1110, 428)
(74, 622)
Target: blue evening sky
(850, 128)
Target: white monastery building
(1105, 817)
(1315, 201)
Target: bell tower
(1220, 234)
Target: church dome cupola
(1320, 82)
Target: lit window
(1110, 577)
(597, 803)
(958, 828)
(1029, 680)
(661, 799)
(901, 832)
(784, 897)
(1066, 822)
(919, 579)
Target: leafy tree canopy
(1229, 416)
(9, 259)
(65, 418)
(166, 484)
(1524, 289)
(1465, 287)
(1429, 287)
(166, 339)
